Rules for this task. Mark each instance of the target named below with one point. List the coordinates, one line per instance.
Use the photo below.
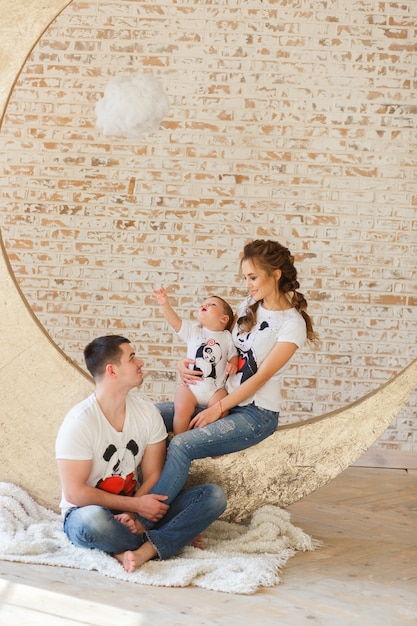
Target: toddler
(209, 344)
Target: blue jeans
(242, 428)
(191, 512)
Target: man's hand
(152, 507)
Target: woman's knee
(178, 445)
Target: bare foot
(127, 559)
(198, 542)
(131, 522)
(132, 559)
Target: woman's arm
(276, 359)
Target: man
(110, 452)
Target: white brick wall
(293, 120)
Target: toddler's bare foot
(132, 559)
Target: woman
(272, 323)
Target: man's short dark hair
(102, 351)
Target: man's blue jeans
(242, 428)
(191, 512)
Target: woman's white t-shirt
(254, 346)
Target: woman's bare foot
(198, 542)
(132, 559)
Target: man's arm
(74, 476)
(151, 466)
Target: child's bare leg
(184, 406)
(132, 559)
(216, 397)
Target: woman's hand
(232, 367)
(188, 377)
(208, 416)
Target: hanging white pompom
(131, 106)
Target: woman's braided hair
(270, 256)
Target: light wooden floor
(365, 574)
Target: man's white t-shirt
(86, 434)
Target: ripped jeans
(244, 427)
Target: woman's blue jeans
(191, 512)
(244, 427)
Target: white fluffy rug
(238, 558)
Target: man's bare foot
(132, 559)
(127, 559)
(198, 542)
(130, 520)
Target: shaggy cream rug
(238, 558)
